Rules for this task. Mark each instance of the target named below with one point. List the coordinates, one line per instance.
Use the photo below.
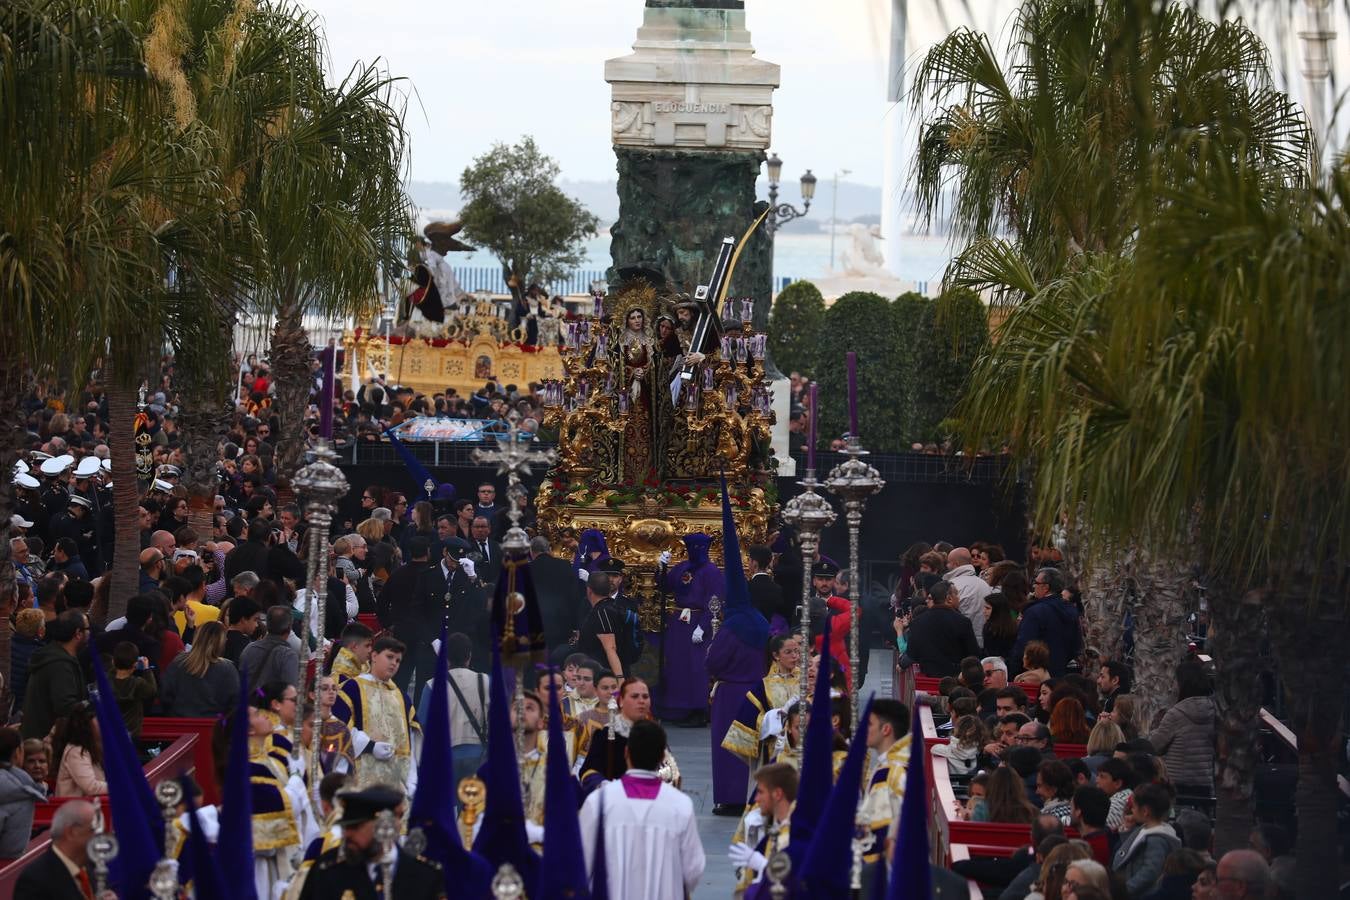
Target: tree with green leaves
(1109, 115)
(859, 321)
(1190, 392)
(949, 335)
(907, 312)
(514, 208)
(1051, 156)
(794, 327)
(114, 232)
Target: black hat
(824, 569)
(456, 547)
(612, 566)
(363, 806)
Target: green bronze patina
(696, 4)
(675, 206)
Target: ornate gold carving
(425, 367)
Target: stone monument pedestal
(691, 117)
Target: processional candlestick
(853, 481)
(164, 878)
(513, 460)
(386, 834)
(810, 514)
(322, 484)
(103, 849)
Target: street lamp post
(782, 213)
(834, 211)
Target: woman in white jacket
(961, 753)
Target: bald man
(971, 588)
(152, 567)
(1243, 873)
(163, 542)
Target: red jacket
(841, 618)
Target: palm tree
(125, 212)
(315, 168)
(1055, 163)
(329, 202)
(1051, 162)
(1190, 392)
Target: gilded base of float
(640, 524)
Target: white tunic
(652, 848)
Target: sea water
(923, 258)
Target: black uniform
(83, 530)
(333, 876)
(55, 498)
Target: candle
(852, 393)
(811, 431)
(747, 310)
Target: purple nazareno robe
(694, 582)
(737, 668)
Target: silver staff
(810, 514)
(386, 832)
(164, 878)
(507, 883)
(323, 485)
(853, 481)
(102, 850)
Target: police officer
(360, 867)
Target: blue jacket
(1054, 621)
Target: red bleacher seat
(166, 728)
(371, 621)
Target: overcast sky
(493, 71)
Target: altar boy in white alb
(384, 729)
(652, 848)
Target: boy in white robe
(381, 720)
(652, 847)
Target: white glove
(664, 558)
(743, 856)
(583, 575)
(534, 833)
(382, 750)
(698, 635)
(467, 565)
(436, 646)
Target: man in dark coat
(486, 553)
(447, 593)
(55, 680)
(940, 637)
(1049, 618)
(251, 554)
(50, 876)
(766, 595)
(361, 863)
(561, 602)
